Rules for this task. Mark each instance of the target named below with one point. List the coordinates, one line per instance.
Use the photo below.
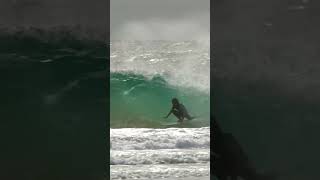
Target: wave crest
(182, 64)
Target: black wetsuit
(181, 112)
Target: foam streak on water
(171, 153)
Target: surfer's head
(175, 101)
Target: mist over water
(173, 20)
(188, 28)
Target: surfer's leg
(188, 116)
(178, 115)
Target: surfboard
(176, 124)
(172, 124)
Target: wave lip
(182, 64)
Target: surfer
(179, 111)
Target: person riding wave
(179, 110)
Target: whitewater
(173, 153)
(145, 75)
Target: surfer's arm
(168, 113)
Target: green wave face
(137, 101)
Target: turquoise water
(146, 76)
(140, 102)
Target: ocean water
(54, 87)
(53, 103)
(52, 67)
(145, 75)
